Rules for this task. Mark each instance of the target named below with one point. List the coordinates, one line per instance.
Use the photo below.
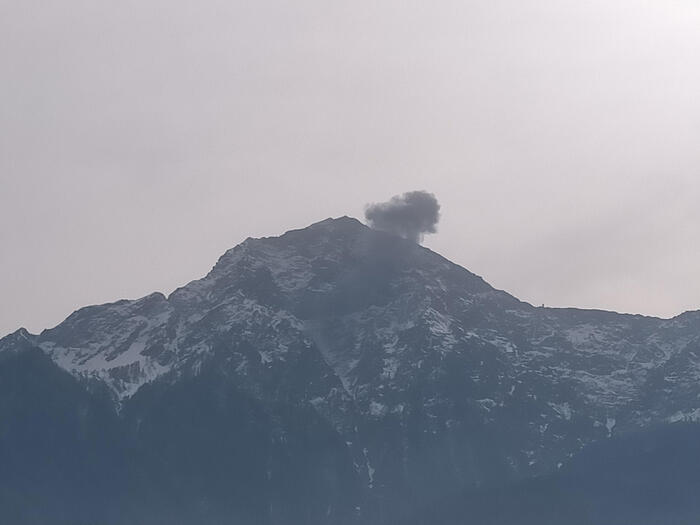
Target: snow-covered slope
(416, 362)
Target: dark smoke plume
(409, 215)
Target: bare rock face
(338, 374)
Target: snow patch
(689, 416)
(377, 409)
(391, 365)
(610, 425)
(486, 404)
(562, 409)
(370, 470)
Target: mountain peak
(328, 253)
(336, 221)
(17, 341)
(341, 330)
(339, 228)
(330, 269)
(19, 334)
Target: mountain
(331, 375)
(645, 478)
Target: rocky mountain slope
(333, 374)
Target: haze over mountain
(338, 374)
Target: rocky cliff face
(371, 368)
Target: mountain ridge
(423, 377)
(349, 219)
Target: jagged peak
(342, 226)
(327, 230)
(120, 304)
(344, 220)
(20, 333)
(19, 340)
(331, 239)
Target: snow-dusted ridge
(382, 317)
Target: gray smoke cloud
(410, 215)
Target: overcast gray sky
(140, 139)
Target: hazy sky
(140, 139)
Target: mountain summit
(328, 375)
(330, 269)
